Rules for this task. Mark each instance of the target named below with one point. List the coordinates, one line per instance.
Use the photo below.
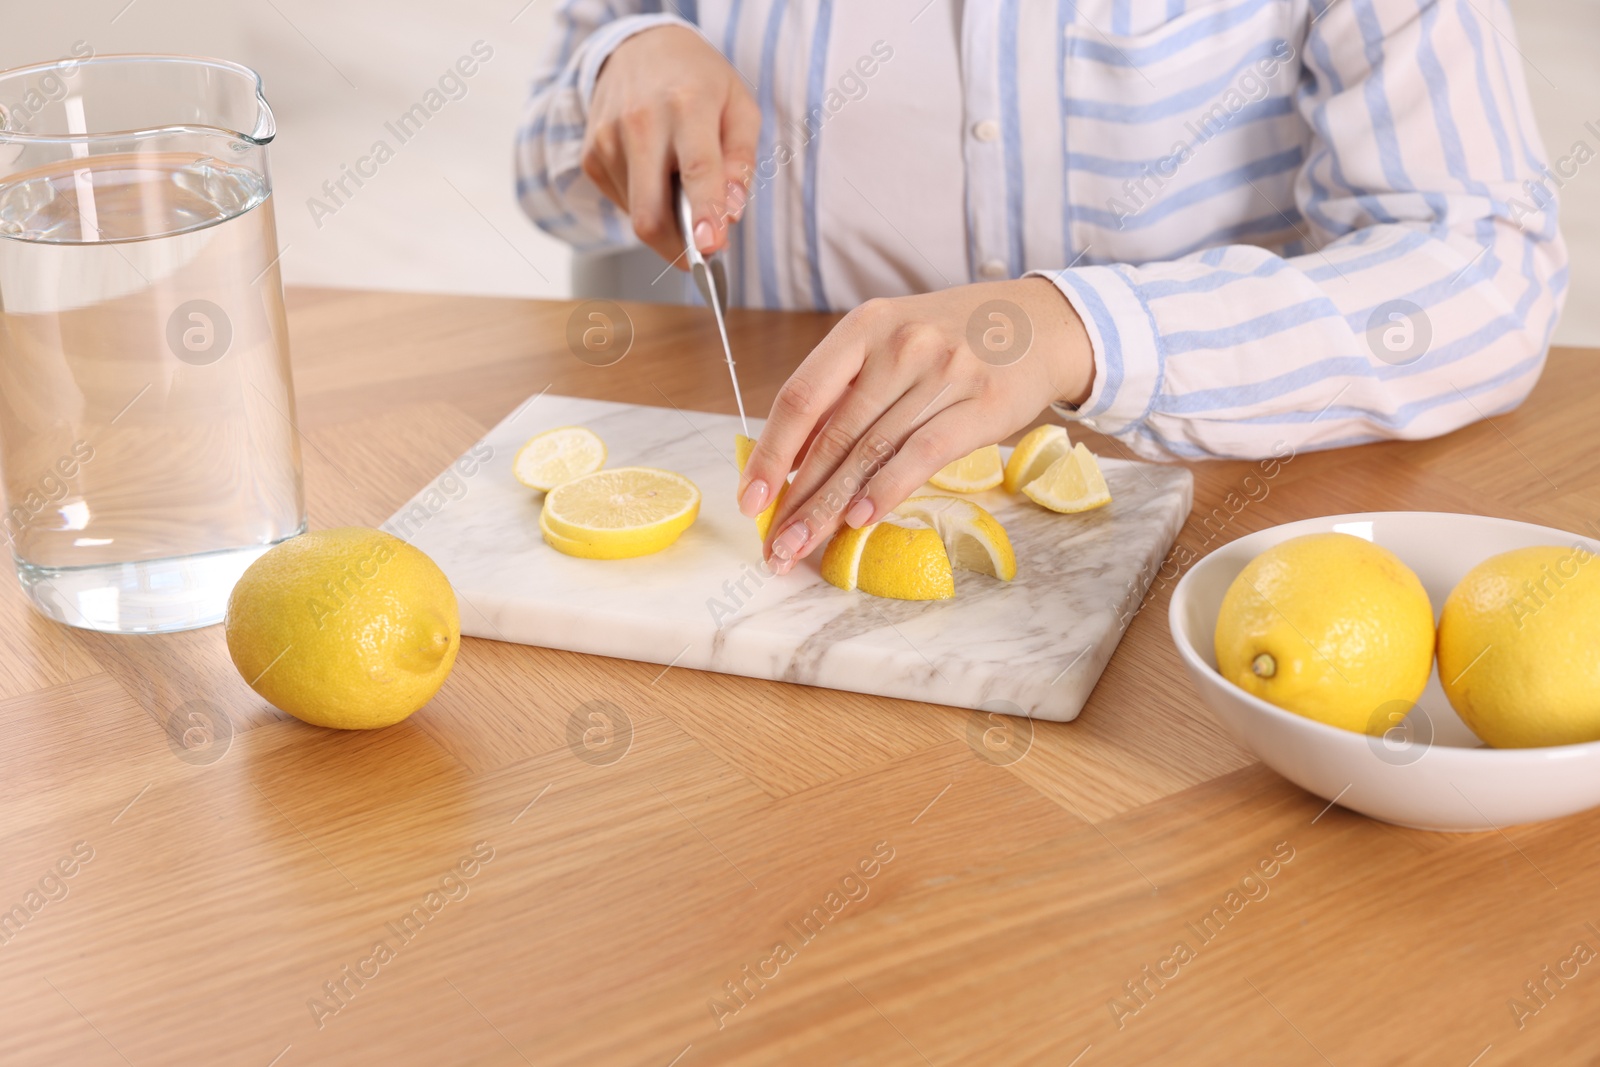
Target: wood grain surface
(743, 871)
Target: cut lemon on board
(1039, 447)
(904, 559)
(557, 456)
(841, 560)
(617, 514)
(1072, 483)
(912, 555)
(971, 473)
(973, 539)
(742, 447)
(582, 549)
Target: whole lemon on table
(1519, 648)
(348, 628)
(1329, 626)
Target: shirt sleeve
(1422, 294)
(551, 186)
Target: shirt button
(993, 269)
(987, 130)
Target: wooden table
(935, 907)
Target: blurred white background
(442, 217)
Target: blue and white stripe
(1225, 190)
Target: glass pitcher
(147, 424)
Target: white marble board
(1032, 646)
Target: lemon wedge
(557, 456)
(841, 559)
(971, 473)
(1072, 483)
(1039, 447)
(973, 539)
(617, 514)
(742, 447)
(904, 559)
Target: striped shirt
(1284, 224)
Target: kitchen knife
(712, 279)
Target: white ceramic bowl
(1430, 772)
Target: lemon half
(912, 554)
(905, 559)
(973, 538)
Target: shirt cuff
(598, 48)
(1128, 360)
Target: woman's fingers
(951, 433)
(650, 184)
(605, 163)
(857, 415)
(741, 130)
(805, 399)
(697, 144)
(849, 494)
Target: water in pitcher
(145, 400)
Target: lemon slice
(905, 559)
(581, 549)
(1039, 447)
(971, 473)
(557, 456)
(973, 539)
(742, 447)
(629, 511)
(1072, 483)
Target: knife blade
(711, 278)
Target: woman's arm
(1430, 276)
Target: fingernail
(736, 200)
(704, 236)
(754, 499)
(789, 542)
(860, 514)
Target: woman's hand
(899, 389)
(667, 102)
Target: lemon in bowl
(348, 628)
(1519, 647)
(1329, 626)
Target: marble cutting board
(1034, 646)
